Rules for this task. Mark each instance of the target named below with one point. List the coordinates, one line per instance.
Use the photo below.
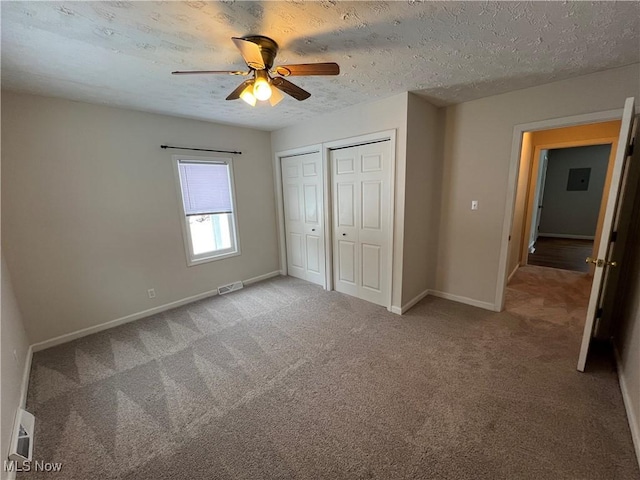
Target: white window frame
(199, 259)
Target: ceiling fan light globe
(248, 97)
(262, 90)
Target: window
(207, 199)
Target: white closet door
(375, 204)
(345, 220)
(304, 216)
(361, 226)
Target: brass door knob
(598, 262)
(595, 261)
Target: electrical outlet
(152, 293)
(474, 204)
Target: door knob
(344, 234)
(598, 262)
(313, 229)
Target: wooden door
(610, 241)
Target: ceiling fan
(259, 53)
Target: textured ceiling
(121, 53)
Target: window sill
(220, 256)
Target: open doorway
(561, 199)
(623, 179)
(568, 196)
(566, 148)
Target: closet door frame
(325, 152)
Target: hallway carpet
(283, 380)
(551, 294)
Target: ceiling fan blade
(250, 52)
(290, 89)
(239, 89)
(276, 97)
(329, 68)
(198, 72)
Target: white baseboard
(260, 278)
(24, 387)
(634, 426)
(513, 273)
(567, 235)
(448, 296)
(68, 337)
(407, 306)
(466, 300)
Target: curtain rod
(200, 149)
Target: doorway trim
(512, 181)
(277, 177)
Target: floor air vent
(232, 287)
(21, 449)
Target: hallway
(550, 294)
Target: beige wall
(90, 213)
(477, 150)
(386, 114)
(570, 212)
(14, 339)
(627, 334)
(422, 197)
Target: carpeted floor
(283, 380)
(549, 294)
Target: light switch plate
(474, 204)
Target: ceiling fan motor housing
(268, 49)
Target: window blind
(205, 188)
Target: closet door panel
(361, 177)
(302, 187)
